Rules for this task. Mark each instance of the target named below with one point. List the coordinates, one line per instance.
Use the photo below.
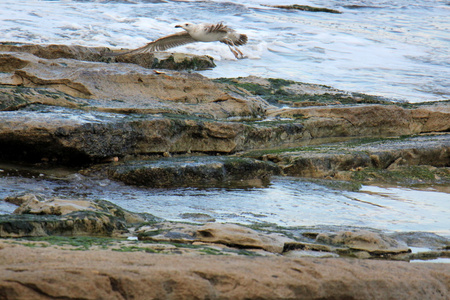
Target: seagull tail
(145, 49)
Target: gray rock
(195, 171)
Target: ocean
(396, 49)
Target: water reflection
(287, 202)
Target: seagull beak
(177, 26)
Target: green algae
(405, 175)
(277, 94)
(78, 242)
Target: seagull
(195, 33)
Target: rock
(157, 60)
(422, 239)
(38, 205)
(282, 93)
(405, 160)
(371, 242)
(122, 87)
(168, 232)
(43, 273)
(198, 217)
(87, 223)
(309, 253)
(195, 171)
(54, 206)
(38, 216)
(23, 198)
(367, 120)
(76, 137)
(291, 246)
(306, 8)
(241, 237)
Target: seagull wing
(161, 44)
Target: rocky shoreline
(131, 119)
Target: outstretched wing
(161, 44)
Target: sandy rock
(23, 198)
(374, 243)
(343, 162)
(157, 60)
(242, 237)
(55, 206)
(367, 120)
(37, 273)
(309, 253)
(126, 87)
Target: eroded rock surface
(362, 240)
(238, 236)
(156, 60)
(37, 216)
(45, 273)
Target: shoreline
(130, 122)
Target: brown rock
(368, 120)
(55, 206)
(79, 223)
(157, 60)
(374, 243)
(37, 273)
(125, 87)
(242, 237)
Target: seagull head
(185, 26)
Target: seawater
(287, 201)
(397, 49)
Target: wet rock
(37, 216)
(168, 232)
(309, 253)
(306, 8)
(198, 217)
(367, 120)
(241, 237)
(21, 199)
(422, 239)
(157, 60)
(292, 246)
(87, 223)
(371, 242)
(195, 171)
(118, 88)
(405, 160)
(54, 206)
(77, 137)
(282, 93)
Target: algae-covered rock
(77, 137)
(195, 171)
(306, 8)
(87, 223)
(37, 216)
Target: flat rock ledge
(156, 60)
(195, 171)
(37, 273)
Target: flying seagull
(195, 33)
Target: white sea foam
(395, 49)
